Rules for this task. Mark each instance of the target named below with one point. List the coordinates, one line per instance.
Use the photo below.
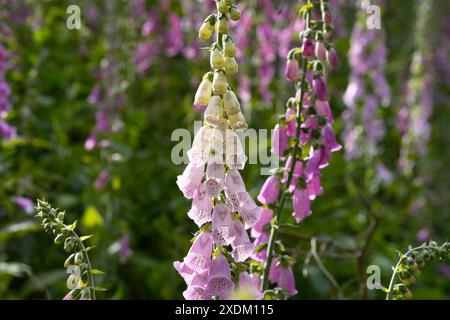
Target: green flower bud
(69, 261)
(231, 103)
(78, 258)
(203, 94)
(222, 6)
(231, 66)
(229, 49)
(223, 25)
(406, 277)
(235, 14)
(205, 31)
(60, 217)
(219, 83)
(229, 2)
(69, 244)
(59, 238)
(214, 112)
(216, 58)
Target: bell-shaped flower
(231, 103)
(201, 147)
(280, 140)
(201, 209)
(185, 272)
(270, 191)
(216, 58)
(229, 48)
(242, 247)
(312, 164)
(219, 83)
(234, 185)
(237, 122)
(215, 176)
(301, 204)
(248, 210)
(308, 47)
(314, 187)
(214, 111)
(323, 109)
(203, 95)
(222, 232)
(291, 119)
(219, 279)
(283, 277)
(249, 286)
(332, 58)
(235, 157)
(263, 221)
(199, 256)
(292, 69)
(197, 288)
(191, 178)
(261, 255)
(329, 139)
(320, 88)
(231, 66)
(320, 51)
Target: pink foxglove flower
(197, 288)
(191, 178)
(242, 246)
(219, 279)
(284, 278)
(301, 204)
(270, 191)
(199, 256)
(222, 231)
(308, 47)
(250, 284)
(280, 140)
(292, 69)
(320, 88)
(201, 210)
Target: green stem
(88, 262)
(282, 199)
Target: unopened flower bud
(308, 47)
(216, 58)
(333, 58)
(222, 6)
(237, 121)
(231, 66)
(223, 25)
(292, 69)
(214, 112)
(69, 244)
(320, 51)
(203, 95)
(235, 14)
(59, 238)
(69, 261)
(219, 83)
(205, 31)
(60, 217)
(78, 258)
(229, 49)
(231, 103)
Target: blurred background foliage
(148, 78)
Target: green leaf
(86, 237)
(91, 218)
(99, 289)
(96, 271)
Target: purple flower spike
(270, 191)
(286, 280)
(280, 140)
(219, 280)
(330, 139)
(320, 88)
(292, 69)
(242, 247)
(323, 109)
(314, 187)
(222, 233)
